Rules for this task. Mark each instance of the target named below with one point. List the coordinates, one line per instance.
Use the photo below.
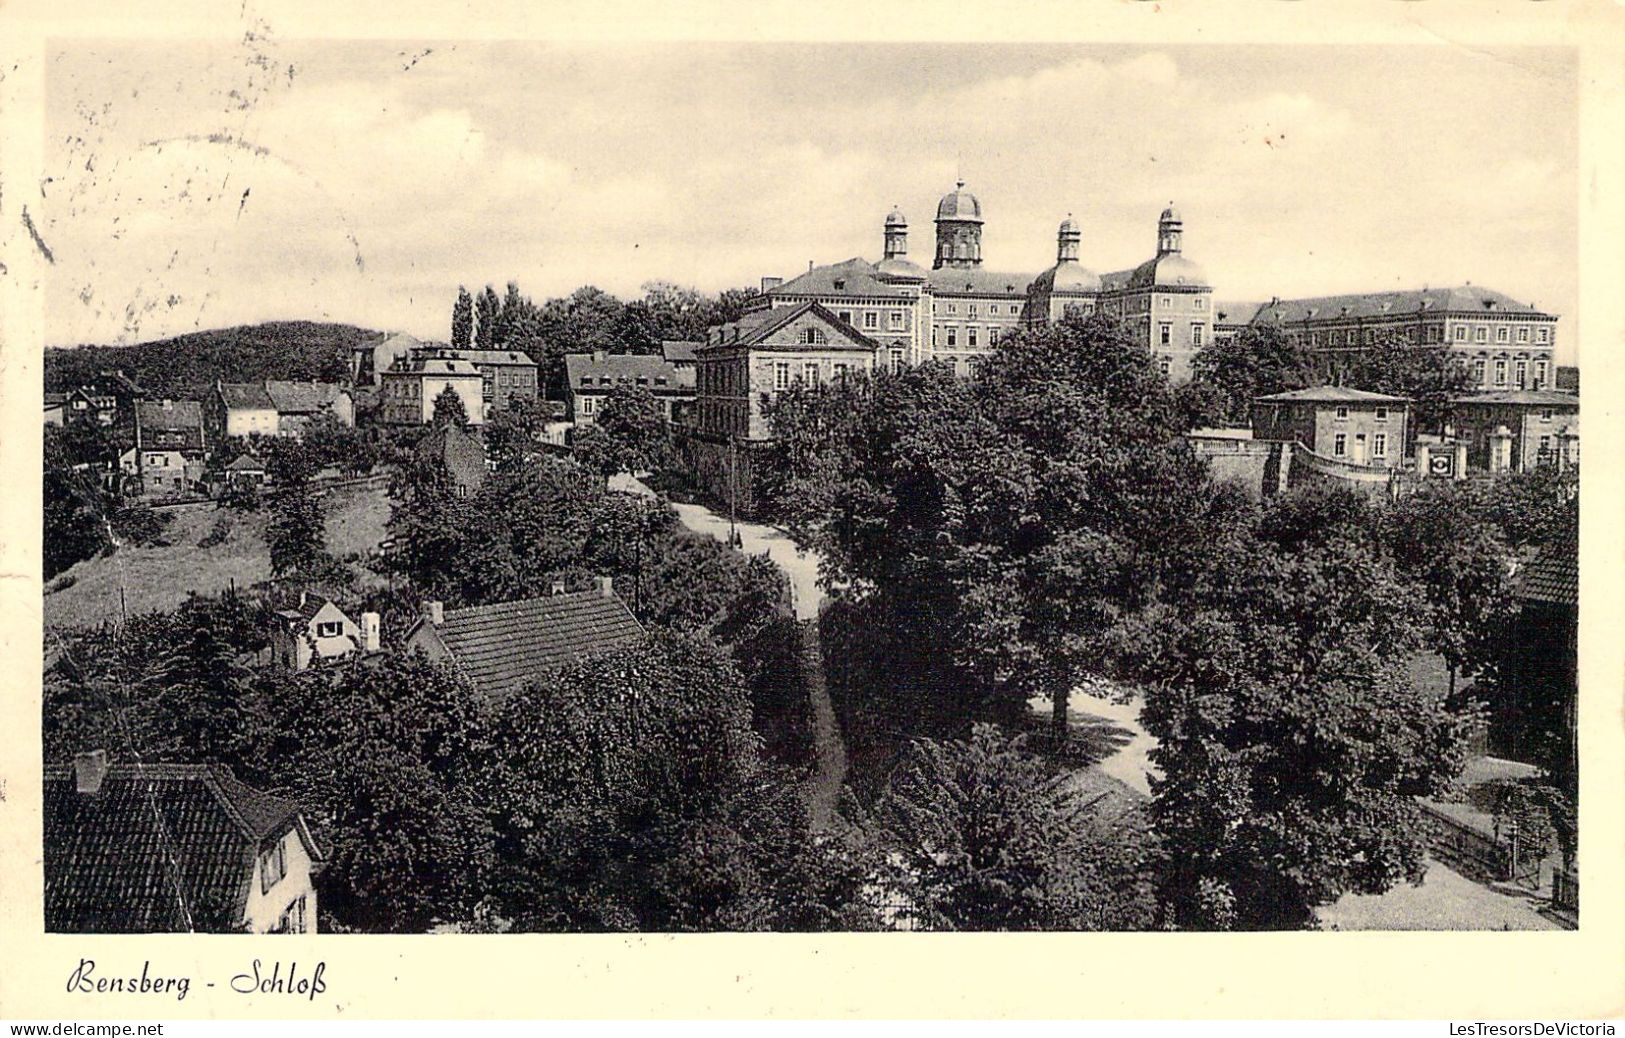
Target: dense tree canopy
(1257, 361)
(981, 835)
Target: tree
(1257, 361)
(389, 755)
(1427, 375)
(489, 307)
(512, 432)
(1291, 742)
(75, 508)
(984, 836)
(1464, 569)
(449, 409)
(1004, 521)
(462, 320)
(639, 437)
(633, 797)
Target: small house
(312, 627)
(501, 647)
(153, 848)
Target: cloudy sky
(198, 185)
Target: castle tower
(1170, 229)
(959, 229)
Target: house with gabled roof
(501, 647)
(740, 372)
(591, 377)
(306, 627)
(133, 847)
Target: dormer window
(840, 284)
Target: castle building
(1505, 344)
(957, 311)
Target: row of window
(972, 311)
(896, 320)
(1520, 373)
(1379, 444)
(949, 335)
(1502, 333)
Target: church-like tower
(959, 230)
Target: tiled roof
(170, 414)
(303, 397)
(976, 281)
(756, 329)
(1464, 299)
(1523, 397)
(493, 357)
(679, 351)
(246, 396)
(112, 858)
(1332, 395)
(658, 375)
(246, 463)
(502, 646)
(852, 277)
(1232, 312)
(1554, 575)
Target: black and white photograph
(510, 486)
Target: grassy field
(160, 577)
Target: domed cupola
(1169, 267)
(1068, 276)
(959, 229)
(897, 266)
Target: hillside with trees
(185, 366)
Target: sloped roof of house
(1554, 575)
(1331, 395)
(602, 372)
(510, 357)
(679, 351)
(246, 396)
(948, 281)
(169, 414)
(112, 857)
(502, 646)
(1232, 312)
(303, 397)
(246, 463)
(756, 329)
(850, 277)
(1463, 299)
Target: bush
(139, 526)
(217, 533)
(61, 583)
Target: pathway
(800, 568)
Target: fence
(1467, 849)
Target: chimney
(370, 624)
(768, 284)
(599, 356)
(606, 586)
(89, 769)
(434, 612)
(558, 587)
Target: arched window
(813, 336)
